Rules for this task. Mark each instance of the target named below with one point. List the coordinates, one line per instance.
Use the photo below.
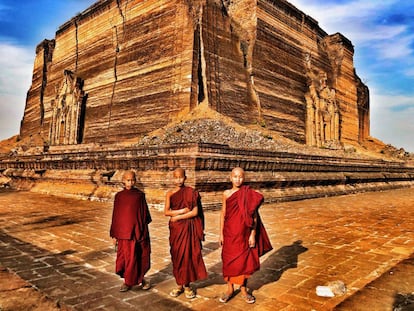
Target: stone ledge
(281, 176)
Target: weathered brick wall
(272, 91)
(34, 110)
(280, 176)
(283, 37)
(135, 59)
(227, 73)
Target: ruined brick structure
(124, 68)
(138, 64)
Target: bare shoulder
(169, 193)
(227, 193)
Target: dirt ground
(18, 295)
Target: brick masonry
(61, 246)
(281, 176)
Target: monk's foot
(249, 298)
(225, 297)
(146, 285)
(176, 292)
(124, 288)
(189, 293)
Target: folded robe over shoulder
(185, 239)
(238, 258)
(130, 219)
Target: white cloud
(358, 21)
(391, 119)
(409, 72)
(375, 33)
(16, 65)
(397, 48)
(332, 14)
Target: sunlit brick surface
(62, 247)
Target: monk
(183, 206)
(130, 234)
(242, 235)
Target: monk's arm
(190, 214)
(252, 237)
(167, 209)
(222, 213)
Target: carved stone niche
(322, 112)
(68, 110)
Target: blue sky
(382, 32)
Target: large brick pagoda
(121, 69)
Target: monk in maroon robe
(242, 235)
(129, 230)
(186, 233)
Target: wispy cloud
(364, 22)
(376, 33)
(397, 48)
(16, 65)
(409, 72)
(395, 124)
(390, 102)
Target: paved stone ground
(394, 288)
(58, 255)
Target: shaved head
(237, 170)
(237, 177)
(129, 179)
(129, 175)
(179, 172)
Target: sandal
(249, 298)
(189, 293)
(124, 288)
(225, 297)
(176, 292)
(145, 285)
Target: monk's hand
(173, 218)
(252, 239)
(185, 210)
(221, 240)
(115, 243)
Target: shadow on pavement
(72, 283)
(276, 264)
(167, 271)
(403, 302)
(270, 270)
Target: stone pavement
(61, 248)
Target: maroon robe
(185, 239)
(130, 219)
(238, 258)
